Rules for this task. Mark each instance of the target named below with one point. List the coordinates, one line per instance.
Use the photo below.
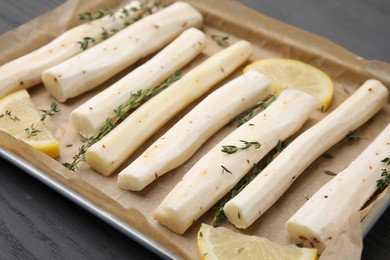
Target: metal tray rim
(89, 206)
(367, 224)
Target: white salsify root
(90, 116)
(217, 172)
(92, 67)
(26, 71)
(313, 225)
(181, 141)
(111, 151)
(277, 177)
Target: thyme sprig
(384, 181)
(120, 113)
(50, 112)
(86, 42)
(9, 114)
(229, 149)
(221, 40)
(33, 130)
(246, 116)
(219, 214)
(132, 13)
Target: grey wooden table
(38, 223)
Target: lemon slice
(18, 113)
(222, 243)
(288, 73)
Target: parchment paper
(270, 39)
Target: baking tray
(270, 39)
(89, 206)
(154, 246)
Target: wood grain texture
(38, 223)
(360, 26)
(15, 13)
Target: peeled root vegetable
(314, 223)
(110, 152)
(186, 137)
(99, 63)
(26, 71)
(91, 115)
(216, 173)
(277, 177)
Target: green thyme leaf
(9, 115)
(224, 169)
(31, 131)
(384, 181)
(352, 137)
(330, 173)
(230, 149)
(86, 42)
(221, 40)
(50, 112)
(88, 16)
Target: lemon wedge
(222, 243)
(20, 118)
(294, 74)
